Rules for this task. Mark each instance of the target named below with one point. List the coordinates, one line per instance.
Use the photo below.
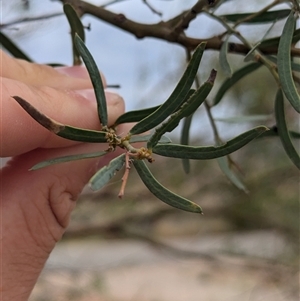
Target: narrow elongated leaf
(67, 159)
(294, 66)
(296, 36)
(250, 55)
(162, 192)
(283, 130)
(236, 76)
(103, 176)
(12, 48)
(176, 98)
(273, 42)
(188, 108)
(145, 138)
(230, 174)
(135, 116)
(269, 16)
(294, 134)
(62, 130)
(245, 118)
(138, 115)
(273, 132)
(224, 60)
(185, 137)
(284, 63)
(208, 152)
(76, 27)
(78, 134)
(95, 78)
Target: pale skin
(35, 206)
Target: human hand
(36, 205)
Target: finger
(75, 77)
(19, 133)
(56, 185)
(37, 208)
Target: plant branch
(162, 30)
(254, 15)
(258, 56)
(191, 14)
(23, 20)
(152, 8)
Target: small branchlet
(182, 103)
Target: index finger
(43, 75)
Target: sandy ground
(119, 270)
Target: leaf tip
(38, 116)
(261, 129)
(212, 76)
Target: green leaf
(294, 66)
(251, 55)
(162, 192)
(241, 119)
(135, 116)
(273, 42)
(283, 130)
(176, 98)
(185, 137)
(76, 27)
(95, 78)
(138, 115)
(67, 159)
(294, 134)
(273, 132)
(296, 36)
(62, 130)
(224, 60)
(208, 152)
(188, 108)
(78, 134)
(236, 76)
(284, 63)
(265, 17)
(145, 138)
(103, 176)
(12, 48)
(225, 166)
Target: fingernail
(113, 99)
(78, 72)
(74, 71)
(87, 93)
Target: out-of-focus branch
(162, 30)
(152, 8)
(39, 18)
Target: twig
(254, 15)
(125, 176)
(40, 18)
(257, 53)
(112, 2)
(152, 8)
(191, 14)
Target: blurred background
(246, 246)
